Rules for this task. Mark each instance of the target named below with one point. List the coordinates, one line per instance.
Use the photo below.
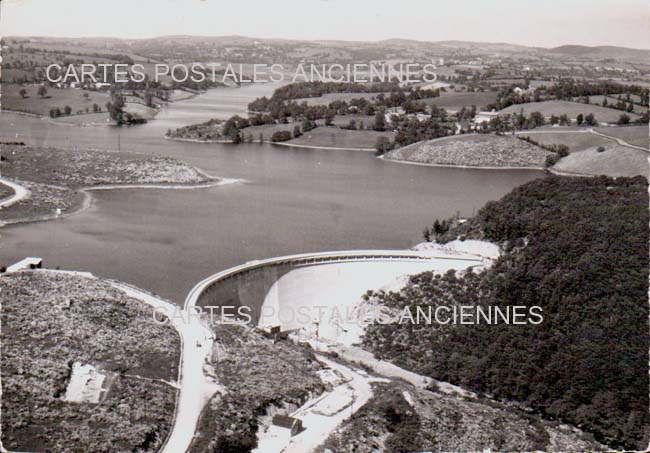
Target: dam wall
(275, 289)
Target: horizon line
(321, 40)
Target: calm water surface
(292, 201)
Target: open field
(453, 101)
(575, 140)
(55, 97)
(322, 136)
(51, 320)
(616, 160)
(571, 109)
(344, 120)
(634, 135)
(332, 137)
(473, 150)
(611, 101)
(87, 119)
(326, 99)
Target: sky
(543, 23)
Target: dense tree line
(569, 89)
(578, 248)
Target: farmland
(33, 103)
(613, 100)
(634, 135)
(571, 109)
(454, 101)
(576, 140)
(615, 160)
(326, 99)
(331, 137)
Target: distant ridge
(602, 52)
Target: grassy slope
(55, 97)
(576, 141)
(340, 138)
(616, 160)
(572, 109)
(50, 321)
(634, 135)
(480, 150)
(453, 101)
(326, 99)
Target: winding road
(20, 193)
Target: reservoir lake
(291, 200)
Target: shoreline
(87, 200)
(568, 173)
(465, 167)
(268, 142)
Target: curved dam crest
(274, 289)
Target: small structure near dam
(318, 292)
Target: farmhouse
(485, 117)
(397, 111)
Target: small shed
(290, 423)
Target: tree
(382, 145)
(590, 120)
(380, 121)
(96, 108)
(308, 125)
(148, 98)
(623, 119)
(115, 108)
(426, 234)
(86, 96)
(67, 110)
(296, 131)
(352, 125)
(23, 93)
(281, 136)
(580, 119)
(42, 91)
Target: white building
(485, 117)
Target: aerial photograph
(324, 226)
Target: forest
(578, 248)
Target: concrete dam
(277, 290)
